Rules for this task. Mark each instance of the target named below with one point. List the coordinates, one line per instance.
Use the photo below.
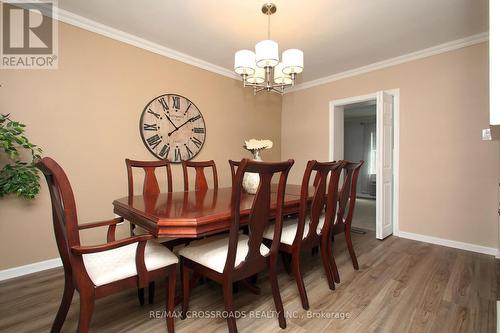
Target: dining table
(195, 214)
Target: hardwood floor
(402, 286)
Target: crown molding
(442, 48)
(104, 30)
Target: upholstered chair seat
(118, 264)
(211, 252)
(290, 229)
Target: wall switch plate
(486, 134)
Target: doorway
(367, 128)
(360, 143)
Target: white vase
(251, 180)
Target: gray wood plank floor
(402, 286)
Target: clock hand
(170, 121)
(184, 123)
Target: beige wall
(86, 116)
(448, 176)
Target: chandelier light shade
(244, 62)
(263, 70)
(293, 61)
(258, 77)
(266, 53)
(280, 77)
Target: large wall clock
(172, 128)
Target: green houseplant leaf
(18, 177)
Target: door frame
(336, 110)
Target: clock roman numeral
(189, 152)
(187, 109)
(196, 142)
(177, 154)
(164, 151)
(176, 100)
(163, 103)
(157, 115)
(195, 118)
(150, 127)
(199, 130)
(154, 141)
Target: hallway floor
(364, 214)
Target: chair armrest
(79, 249)
(114, 221)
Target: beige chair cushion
(211, 252)
(141, 231)
(117, 264)
(290, 229)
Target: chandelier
(262, 69)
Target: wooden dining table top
(193, 214)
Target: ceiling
(335, 35)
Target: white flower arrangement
(254, 144)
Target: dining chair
(150, 186)
(100, 270)
(201, 183)
(238, 257)
(347, 200)
(309, 229)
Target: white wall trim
(353, 100)
(438, 49)
(104, 30)
(331, 144)
(30, 268)
(449, 243)
(395, 159)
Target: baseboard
(14, 272)
(450, 243)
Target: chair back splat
(259, 214)
(234, 167)
(325, 197)
(201, 183)
(151, 186)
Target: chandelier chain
(268, 26)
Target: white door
(385, 130)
